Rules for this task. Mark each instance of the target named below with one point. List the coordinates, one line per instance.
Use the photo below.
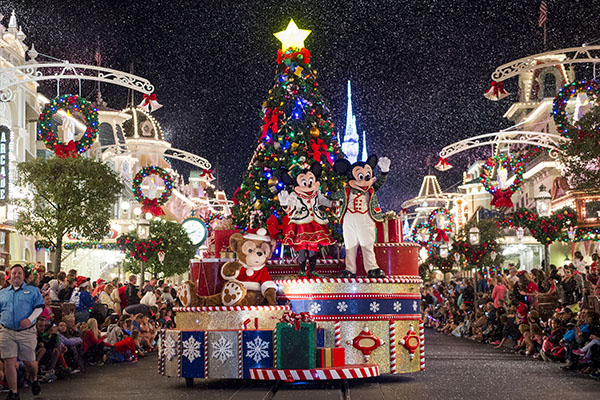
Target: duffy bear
(247, 281)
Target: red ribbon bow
(275, 228)
(502, 198)
(148, 98)
(295, 319)
(66, 150)
(271, 121)
(319, 148)
(441, 235)
(151, 206)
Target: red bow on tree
(275, 228)
(151, 206)
(318, 149)
(271, 121)
(66, 150)
(502, 198)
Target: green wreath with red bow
(501, 197)
(152, 205)
(47, 130)
(591, 88)
(441, 233)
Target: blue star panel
(192, 354)
(258, 350)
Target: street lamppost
(143, 231)
(474, 238)
(543, 207)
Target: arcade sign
(4, 142)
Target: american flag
(543, 14)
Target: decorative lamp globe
(493, 255)
(137, 211)
(457, 257)
(520, 233)
(143, 229)
(444, 250)
(474, 236)
(571, 231)
(543, 202)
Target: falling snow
(418, 69)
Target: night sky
(418, 68)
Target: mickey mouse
(360, 210)
(307, 228)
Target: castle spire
(363, 156)
(12, 23)
(350, 141)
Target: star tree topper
(292, 36)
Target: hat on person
(584, 328)
(84, 284)
(522, 309)
(260, 234)
(100, 281)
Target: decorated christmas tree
(296, 130)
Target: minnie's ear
(372, 161)
(342, 167)
(316, 169)
(286, 178)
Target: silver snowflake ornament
(222, 350)
(342, 306)
(170, 349)
(191, 349)
(397, 306)
(415, 305)
(374, 307)
(315, 308)
(257, 349)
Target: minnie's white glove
(283, 197)
(384, 164)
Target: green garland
(561, 117)
(47, 130)
(544, 229)
(44, 244)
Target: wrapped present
(227, 254)
(222, 240)
(296, 347)
(388, 230)
(331, 357)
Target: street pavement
(455, 369)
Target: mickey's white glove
(284, 197)
(384, 164)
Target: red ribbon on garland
(66, 150)
(502, 198)
(441, 235)
(318, 149)
(275, 228)
(151, 206)
(271, 121)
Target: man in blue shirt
(20, 306)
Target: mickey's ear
(316, 169)
(342, 166)
(372, 161)
(286, 178)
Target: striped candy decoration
(392, 347)
(389, 279)
(238, 308)
(240, 355)
(403, 244)
(338, 333)
(422, 339)
(346, 372)
(319, 261)
(179, 352)
(161, 353)
(274, 348)
(205, 354)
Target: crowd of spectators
(91, 323)
(553, 317)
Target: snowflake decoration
(170, 348)
(397, 306)
(342, 306)
(191, 349)
(315, 308)
(222, 349)
(374, 307)
(257, 349)
(415, 305)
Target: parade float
(281, 303)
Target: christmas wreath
(438, 227)
(501, 197)
(140, 250)
(422, 229)
(152, 205)
(589, 88)
(44, 244)
(47, 128)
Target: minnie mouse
(307, 228)
(360, 210)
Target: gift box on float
(331, 357)
(296, 344)
(222, 243)
(389, 230)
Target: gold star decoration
(292, 36)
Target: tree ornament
(47, 130)
(257, 205)
(314, 131)
(152, 205)
(501, 196)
